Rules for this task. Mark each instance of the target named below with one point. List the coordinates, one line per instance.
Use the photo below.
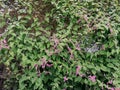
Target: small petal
(117, 89)
(77, 70)
(43, 62)
(49, 65)
(92, 78)
(4, 41)
(65, 79)
(78, 47)
(112, 89)
(110, 82)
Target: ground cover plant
(59, 44)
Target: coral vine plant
(60, 44)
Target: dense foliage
(60, 44)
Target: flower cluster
(44, 64)
(92, 78)
(3, 44)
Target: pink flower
(69, 49)
(92, 78)
(65, 78)
(49, 65)
(4, 41)
(117, 88)
(3, 44)
(78, 47)
(112, 88)
(0, 35)
(110, 82)
(44, 62)
(77, 70)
